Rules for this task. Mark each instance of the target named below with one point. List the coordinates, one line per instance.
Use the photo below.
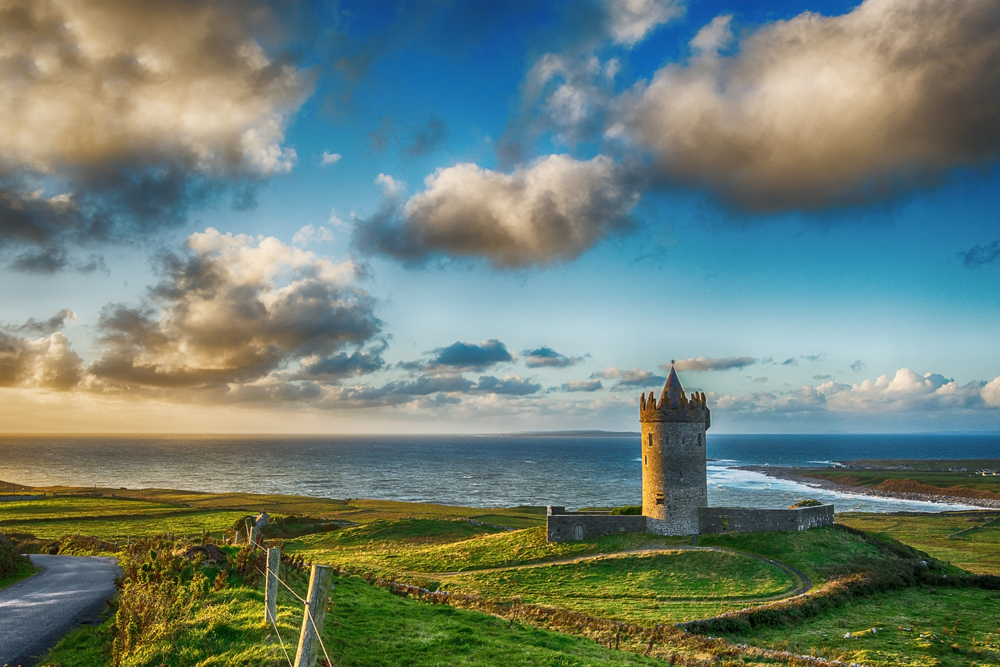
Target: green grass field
(425, 543)
(488, 550)
(969, 540)
(918, 628)
(935, 482)
(644, 589)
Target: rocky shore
(795, 475)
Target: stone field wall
(569, 527)
(744, 520)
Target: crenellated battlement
(674, 404)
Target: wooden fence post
(319, 591)
(254, 535)
(271, 585)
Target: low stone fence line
(563, 526)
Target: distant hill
(574, 434)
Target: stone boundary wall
(746, 520)
(7, 499)
(566, 527)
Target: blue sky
(479, 217)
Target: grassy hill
(512, 598)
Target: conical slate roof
(672, 390)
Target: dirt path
(804, 582)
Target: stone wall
(566, 527)
(745, 520)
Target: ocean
(479, 471)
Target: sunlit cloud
(119, 116)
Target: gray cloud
(822, 377)
(977, 256)
(510, 385)
(220, 317)
(857, 366)
(460, 357)
(628, 380)
(44, 327)
(760, 379)
(582, 385)
(343, 365)
(46, 362)
(549, 211)
(128, 76)
(546, 357)
(790, 361)
(701, 364)
(428, 138)
(814, 357)
(824, 111)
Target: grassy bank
(969, 540)
(22, 571)
(643, 589)
(927, 478)
(916, 627)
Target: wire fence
(308, 621)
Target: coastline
(795, 475)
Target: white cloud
(94, 81)
(46, 362)
(702, 363)
(630, 21)
(336, 220)
(817, 111)
(232, 314)
(390, 186)
(329, 158)
(906, 391)
(310, 234)
(713, 36)
(553, 209)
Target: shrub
(805, 503)
(628, 509)
(10, 556)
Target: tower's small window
(701, 439)
(659, 499)
(645, 460)
(649, 439)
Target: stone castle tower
(674, 476)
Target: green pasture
(969, 540)
(490, 549)
(365, 626)
(822, 553)
(939, 479)
(71, 507)
(644, 589)
(914, 628)
(120, 528)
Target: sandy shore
(795, 475)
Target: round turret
(674, 473)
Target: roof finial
(672, 362)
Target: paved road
(36, 612)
